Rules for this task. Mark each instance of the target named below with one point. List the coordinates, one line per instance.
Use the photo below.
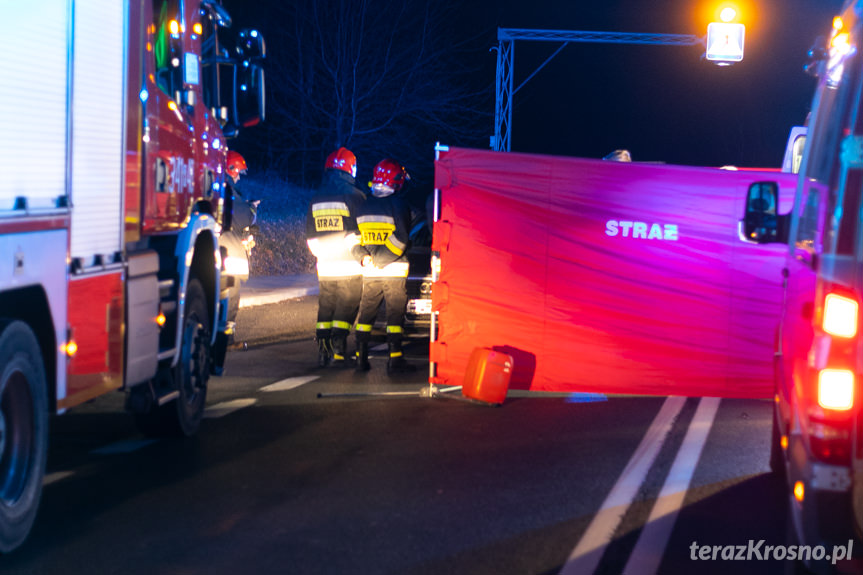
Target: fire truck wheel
(182, 417)
(777, 457)
(23, 431)
(193, 369)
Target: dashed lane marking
(56, 476)
(587, 554)
(223, 409)
(290, 383)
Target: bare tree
(382, 77)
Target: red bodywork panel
(602, 276)
(96, 323)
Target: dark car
(419, 280)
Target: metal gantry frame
(505, 49)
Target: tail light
(835, 362)
(836, 389)
(840, 316)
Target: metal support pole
(503, 98)
(504, 76)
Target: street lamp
(725, 38)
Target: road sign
(725, 42)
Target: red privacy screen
(602, 276)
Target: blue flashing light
(144, 94)
(217, 144)
(245, 63)
(254, 33)
(243, 87)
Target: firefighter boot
(340, 350)
(397, 363)
(325, 351)
(363, 356)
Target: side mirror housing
(251, 103)
(761, 223)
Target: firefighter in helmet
(237, 237)
(384, 223)
(331, 233)
(243, 212)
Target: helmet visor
(381, 190)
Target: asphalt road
(305, 470)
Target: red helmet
(236, 164)
(342, 159)
(389, 176)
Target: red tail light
(840, 316)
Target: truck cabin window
(166, 43)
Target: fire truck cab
(817, 439)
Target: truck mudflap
(225, 330)
(602, 276)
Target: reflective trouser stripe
(394, 329)
(395, 354)
(364, 327)
(324, 325)
(341, 325)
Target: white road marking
(586, 555)
(126, 446)
(650, 547)
(290, 383)
(56, 476)
(223, 409)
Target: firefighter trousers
(392, 292)
(338, 302)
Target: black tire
(777, 455)
(23, 432)
(182, 416)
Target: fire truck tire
(23, 431)
(182, 416)
(193, 369)
(777, 457)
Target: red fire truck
(113, 120)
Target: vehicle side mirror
(250, 94)
(250, 45)
(761, 224)
(816, 57)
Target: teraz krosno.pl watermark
(760, 551)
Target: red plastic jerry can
(487, 376)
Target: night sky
(664, 103)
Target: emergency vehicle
(817, 439)
(113, 119)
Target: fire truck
(817, 437)
(113, 124)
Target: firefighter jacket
(331, 228)
(384, 225)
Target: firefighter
(331, 233)
(244, 212)
(238, 234)
(384, 224)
